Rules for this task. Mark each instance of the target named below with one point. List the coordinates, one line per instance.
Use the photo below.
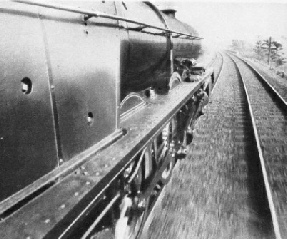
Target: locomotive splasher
(93, 112)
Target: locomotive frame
(111, 185)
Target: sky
(218, 21)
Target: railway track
(269, 111)
(217, 64)
(228, 187)
(278, 83)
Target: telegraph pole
(268, 45)
(269, 50)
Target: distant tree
(276, 53)
(270, 49)
(259, 50)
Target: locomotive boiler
(95, 107)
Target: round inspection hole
(26, 85)
(90, 118)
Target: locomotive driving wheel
(168, 137)
(134, 207)
(163, 149)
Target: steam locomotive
(97, 100)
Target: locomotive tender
(96, 101)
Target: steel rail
(89, 14)
(273, 90)
(261, 158)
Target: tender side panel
(148, 53)
(84, 58)
(196, 44)
(27, 137)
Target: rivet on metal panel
(62, 206)
(90, 118)
(61, 161)
(86, 173)
(26, 85)
(47, 221)
(76, 194)
(52, 87)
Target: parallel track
(269, 118)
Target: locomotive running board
(65, 204)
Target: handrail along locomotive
(97, 101)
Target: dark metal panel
(85, 67)
(27, 138)
(148, 62)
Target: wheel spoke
(133, 207)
